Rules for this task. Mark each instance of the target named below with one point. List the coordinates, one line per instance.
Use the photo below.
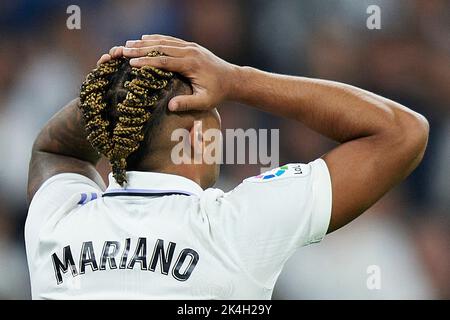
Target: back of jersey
(163, 237)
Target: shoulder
(57, 196)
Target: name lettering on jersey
(111, 257)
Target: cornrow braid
(119, 138)
(93, 106)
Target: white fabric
(183, 242)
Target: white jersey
(163, 237)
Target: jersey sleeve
(271, 215)
(60, 192)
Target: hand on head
(114, 52)
(212, 78)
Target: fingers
(161, 42)
(161, 62)
(104, 58)
(176, 52)
(160, 37)
(187, 102)
(152, 42)
(116, 52)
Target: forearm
(381, 141)
(62, 147)
(65, 135)
(338, 111)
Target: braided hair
(117, 101)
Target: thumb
(187, 102)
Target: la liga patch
(286, 171)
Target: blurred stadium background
(406, 234)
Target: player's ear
(196, 141)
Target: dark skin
(381, 141)
(62, 147)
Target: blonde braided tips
(118, 140)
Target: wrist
(237, 80)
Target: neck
(188, 171)
(191, 172)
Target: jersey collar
(152, 184)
